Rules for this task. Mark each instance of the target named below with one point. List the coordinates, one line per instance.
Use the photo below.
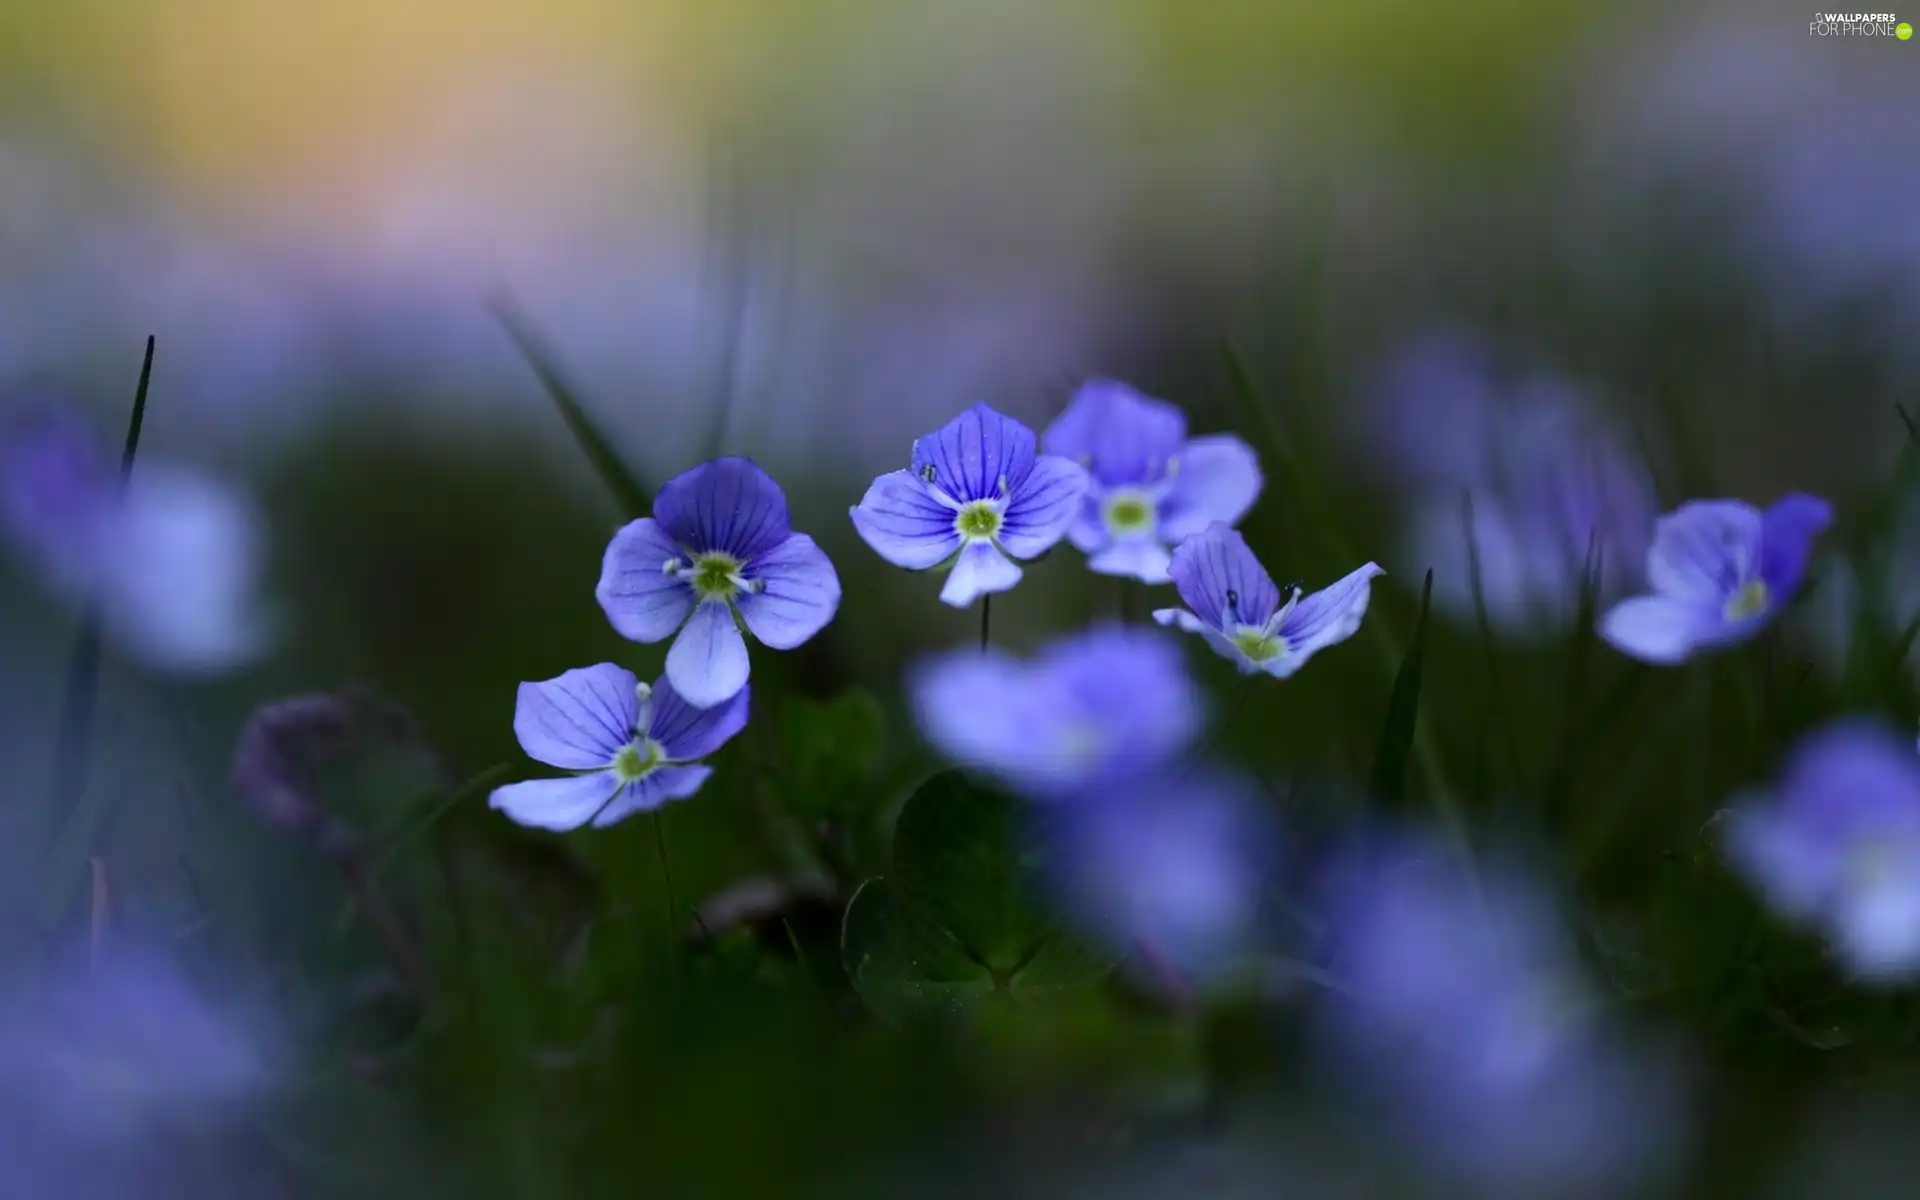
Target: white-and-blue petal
(727, 504)
(1216, 571)
(980, 570)
(556, 804)
(708, 662)
(972, 454)
(662, 785)
(1661, 630)
(1043, 507)
(1218, 480)
(798, 593)
(905, 524)
(579, 719)
(643, 602)
(686, 733)
(1324, 618)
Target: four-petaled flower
(1153, 487)
(718, 543)
(1094, 707)
(1719, 570)
(1837, 845)
(634, 747)
(1232, 603)
(976, 497)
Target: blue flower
(103, 1058)
(717, 549)
(1720, 570)
(976, 497)
(1153, 487)
(1092, 707)
(1174, 862)
(1459, 1006)
(174, 561)
(1234, 605)
(1836, 846)
(633, 747)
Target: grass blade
(626, 488)
(1403, 712)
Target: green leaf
(1403, 710)
(959, 857)
(903, 964)
(831, 750)
(621, 482)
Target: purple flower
(1546, 475)
(632, 747)
(1234, 605)
(1175, 861)
(976, 498)
(1720, 570)
(1836, 845)
(1099, 705)
(1153, 487)
(101, 1059)
(173, 561)
(717, 549)
(1461, 1007)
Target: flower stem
(986, 621)
(666, 870)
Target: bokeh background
(809, 233)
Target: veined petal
(727, 504)
(659, 787)
(980, 569)
(1219, 479)
(1216, 571)
(1661, 630)
(1043, 506)
(1144, 559)
(1704, 549)
(904, 524)
(686, 733)
(1121, 435)
(708, 662)
(799, 593)
(1787, 534)
(972, 453)
(556, 804)
(579, 719)
(642, 602)
(1325, 618)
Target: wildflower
(1461, 1007)
(977, 498)
(1836, 845)
(632, 747)
(1175, 862)
(1720, 571)
(717, 549)
(173, 561)
(1095, 706)
(1234, 605)
(1152, 486)
(133, 1047)
(1554, 491)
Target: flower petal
(1088, 533)
(579, 719)
(800, 593)
(1044, 507)
(1787, 533)
(642, 602)
(663, 785)
(686, 733)
(1879, 929)
(1144, 559)
(904, 524)
(1207, 568)
(1324, 618)
(708, 662)
(1704, 549)
(556, 804)
(1219, 479)
(1660, 629)
(1181, 619)
(972, 453)
(1120, 435)
(979, 570)
(727, 504)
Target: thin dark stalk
(73, 746)
(986, 622)
(666, 871)
(393, 935)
